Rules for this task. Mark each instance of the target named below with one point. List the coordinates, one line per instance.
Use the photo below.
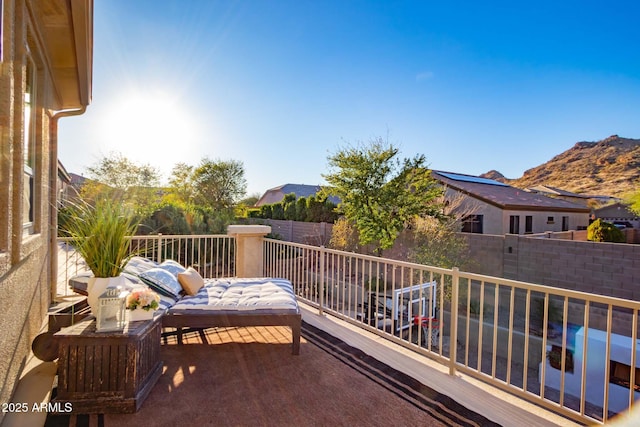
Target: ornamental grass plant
(101, 233)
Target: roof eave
(67, 33)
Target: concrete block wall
(487, 255)
(310, 233)
(610, 269)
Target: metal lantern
(111, 310)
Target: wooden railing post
(453, 336)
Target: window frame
(473, 224)
(528, 224)
(514, 224)
(29, 146)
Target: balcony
(514, 352)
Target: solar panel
(475, 179)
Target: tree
(438, 243)
(344, 236)
(250, 200)
(218, 184)
(119, 172)
(380, 194)
(115, 176)
(602, 231)
(633, 200)
(181, 183)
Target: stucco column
(249, 254)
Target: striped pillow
(174, 267)
(162, 281)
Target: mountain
(609, 167)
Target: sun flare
(143, 124)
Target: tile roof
(557, 191)
(502, 195)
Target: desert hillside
(608, 167)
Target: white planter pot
(140, 314)
(96, 287)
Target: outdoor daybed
(188, 301)
(238, 302)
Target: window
(565, 223)
(472, 224)
(514, 224)
(550, 220)
(29, 152)
(620, 374)
(528, 224)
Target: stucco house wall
(45, 52)
(541, 222)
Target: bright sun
(145, 125)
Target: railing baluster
(480, 327)
(634, 349)
(525, 365)
(607, 373)
(455, 278)
(545, 323)
(512, 295)
(495, 331)
(585, 342)
(468, 321)
(321, 285)
(563, 367)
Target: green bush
(277, 211)
(266, 211)
(602, 231)
(301, 209)
(310, 209)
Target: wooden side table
(107, 372)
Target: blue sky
(280, 85)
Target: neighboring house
(618, 213)
(46, 55)
(63, 185)
(75, 186)
(492, 207)
(276, 194)
(579, 199)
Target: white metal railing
(568, 351)
(212, 255)
(571, 352)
